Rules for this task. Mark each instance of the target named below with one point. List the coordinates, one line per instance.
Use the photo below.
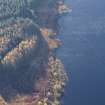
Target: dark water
(83, 52)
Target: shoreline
(48, 88)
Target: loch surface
(83, 52)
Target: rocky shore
(30, 74)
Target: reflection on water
(83, 52)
